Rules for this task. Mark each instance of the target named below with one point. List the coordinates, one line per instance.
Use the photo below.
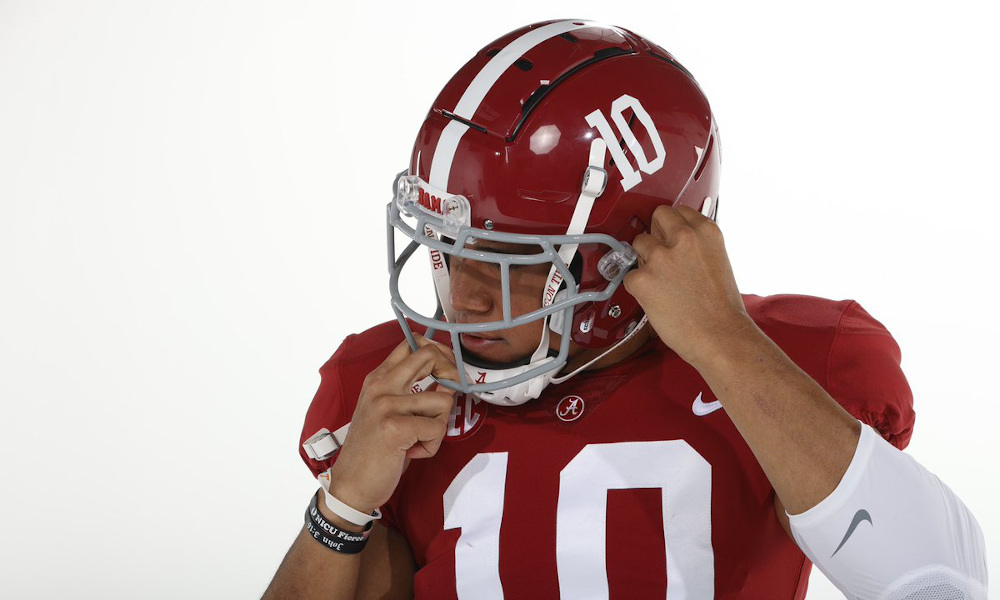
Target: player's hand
(685, 283)
(391, 425)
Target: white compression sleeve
(891, 530)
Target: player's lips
(480, 344)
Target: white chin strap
(518, 393)
(594, 182)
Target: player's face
(476, 297)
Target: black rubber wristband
(328, 534)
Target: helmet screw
(615, 311)
(488, 224)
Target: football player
(596, 409)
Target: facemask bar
(450, 221)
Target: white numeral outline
(630, 177)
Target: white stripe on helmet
(444, 152)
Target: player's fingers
(395, 357)
(691, 216)
(424, 436)
(644, 245)
(402, 350)
(403, 431)
(422, 341)
(703, 225)
(400, 364)
(423, 450)
(430, 434)
(667, 222)
(430, 359)
(426, 404)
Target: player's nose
(472, 289)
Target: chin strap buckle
(595, 180)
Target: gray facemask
(441, 222)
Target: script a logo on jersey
(467, 416)
(570, 408)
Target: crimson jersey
(628, 481)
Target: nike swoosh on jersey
(702, 408)
(861, 515)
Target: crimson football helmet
(565, 136)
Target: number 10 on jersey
(474, 502)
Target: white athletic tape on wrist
(346, 512)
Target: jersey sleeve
(332, 407)
(864, 375)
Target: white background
(191, 219)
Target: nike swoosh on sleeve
(702, 408)
(861, 515)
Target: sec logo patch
(570, 408)
(467, 416)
